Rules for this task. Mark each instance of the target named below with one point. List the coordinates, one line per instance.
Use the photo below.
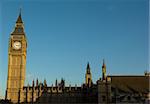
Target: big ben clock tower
(16, 62)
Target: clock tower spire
(19, 20)
(19, 27)
(16, 62)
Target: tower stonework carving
(16, 62)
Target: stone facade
(16, 61)
(58, 94)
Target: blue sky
(64, 35)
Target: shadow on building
(60, 94)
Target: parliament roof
(131, 84)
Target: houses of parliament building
(106, 90)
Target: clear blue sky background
(64, 35)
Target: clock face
(17, 45)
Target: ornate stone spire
(88, 76)
(103, 71)
(56, 84)
(19, 27)
(19, 20)
(103, 66)
(45, 84)
(33, 83)
(88, 68)
(37, 82)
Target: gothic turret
(88, 76)
(45, 84)
(103, 71)
(37, 82)
(33, 83)
(56, 84)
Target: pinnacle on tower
(103, 71)
(33, 83)
(56, 84)
(88, 76)
(45, 84)
(88, 68)
(104, 66)
(19, 20)
(19, 27)
(37, 82)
